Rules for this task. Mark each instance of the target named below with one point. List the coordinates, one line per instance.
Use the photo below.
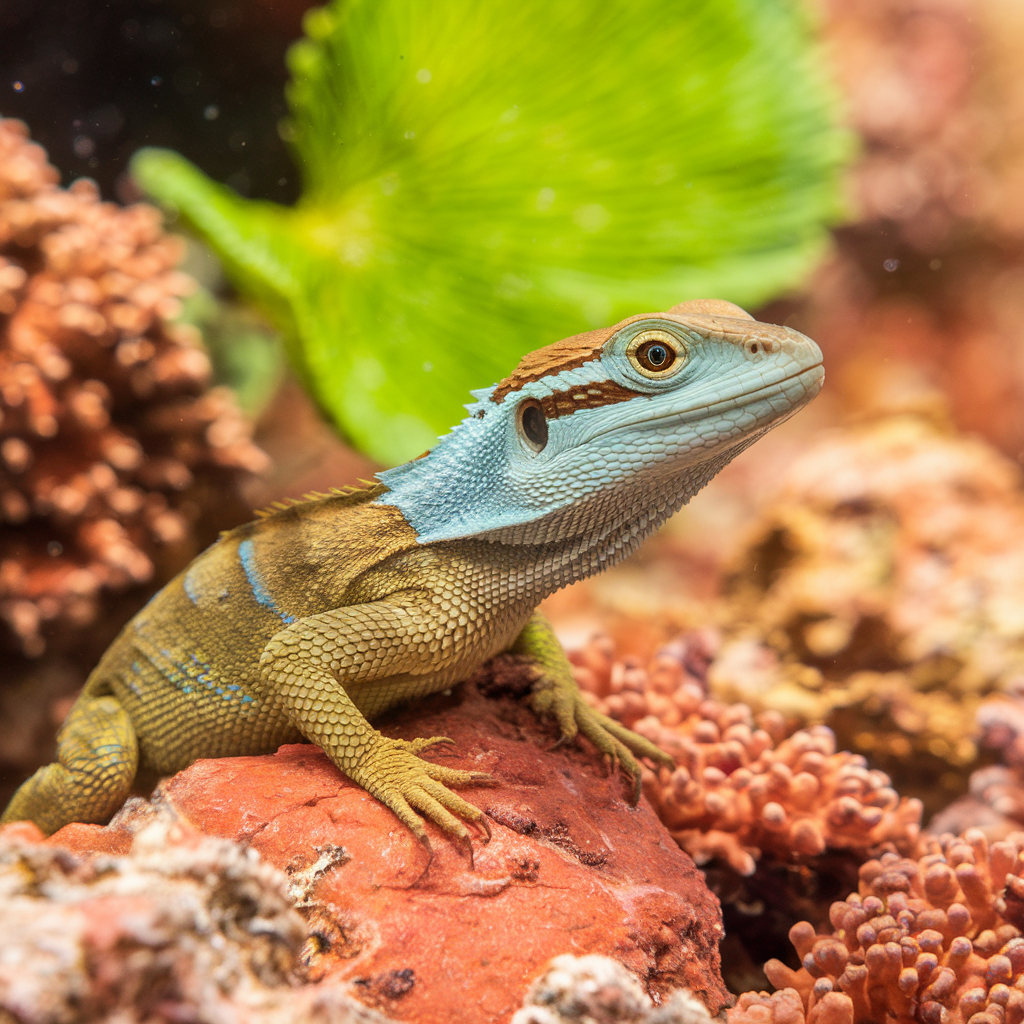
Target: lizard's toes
(608, 743)
(639, 745)
(423, 742)
(561, 705)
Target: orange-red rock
(571, 868)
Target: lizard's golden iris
(655, 354)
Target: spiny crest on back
(353, 491)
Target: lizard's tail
(97, 757)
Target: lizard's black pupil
(535, 425)
(655, 356)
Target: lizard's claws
(614, 741)
(416, 789)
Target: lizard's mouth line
(737, 401)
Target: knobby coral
(112, 445)
(936, 940)
(743, 786)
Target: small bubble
(83, 146)
(212, 112)
(410, 135)
(156, 80)
(282, 181)
(423, 76)
(19, 86)
(427, 367)
(891, 265)
(54, 548)
(935, 264)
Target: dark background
(96, 80)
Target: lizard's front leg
(555, 693)
(307, 665)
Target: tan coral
(890, 563)
(743, 787)
(112, 446)
(933, 939)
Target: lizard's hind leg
(97, 756)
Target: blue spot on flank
(247, 557)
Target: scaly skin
(315, 619)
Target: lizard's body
(320, 616)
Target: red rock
(21, 831)
(571, 868)
(92, 839)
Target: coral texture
(994, 801)
(570, 867)
(890, 564)
(577, 989)
(933, 939)
(112, 446)
(745, 786)
(180, 927)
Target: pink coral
(932, 939)
(743, 787)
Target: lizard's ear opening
(533, 424)
(710, 307)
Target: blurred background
(361, 228)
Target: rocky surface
(183, 928)
(584, 989)
(570, 868)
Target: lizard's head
(648, 410)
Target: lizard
(320, 615)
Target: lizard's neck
(591, 535)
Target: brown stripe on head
(566, 354)
(573, 352)
(585, 396)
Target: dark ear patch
(533, 424)
(710, 307)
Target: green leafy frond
(484, 178)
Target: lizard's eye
(533, 424)
(655, 354)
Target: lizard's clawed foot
(618, 744)
(416, 789)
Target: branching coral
(743, 787)
(112, 447)
(936, 939)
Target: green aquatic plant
(484, 178)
